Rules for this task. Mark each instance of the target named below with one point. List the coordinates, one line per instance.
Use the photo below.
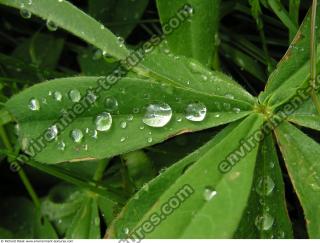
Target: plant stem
(313, 60)
(21, 173)
(100, 169)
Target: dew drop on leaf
(26, 14)
(52, 26)
(61, 145)
(103, 122)
(122, 139)
(229, 96)
(123, 124)
(57, 96)
(236, 110)
(196, 112)
(149, 140)
(120, 41)
(34, 104)
(264, 222)
(209, 193)
(265, 186)
(75, 95)
(52, 132)
(157, 115)
(76, 135)
(111, 104)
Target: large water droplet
(264, 222)
(111, 104)
(120, 41)
(157, 115)
(265, 186)
(76, 135)
(209, 193)
(103, 122)
(52, 132)
(52, 26)
(75, 95)
(34, 104)
(196, 112)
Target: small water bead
(217, 115)
(265, 186)
(61, 145)
(111, 104)
(57, 96)
(97, 55)
(123, 124)
(196, 112)
(264, 222)
(120, 41)
(52, 132)
(52, 26)
(236, 110)
(126, 230)
(85, 147)
(26, 14)
(229, 96)
(157, 115)
(179, 119)
(75, 95)
(135, 110)
(76, 135)
(149, 140)
(141, 127)
(34, 104)
(130, 117)
(209, 193)
(122, 139)
(103, 122)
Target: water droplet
(111, 104)
(103, 122)
(52, 26)
(120, 41)
(102, 27)
(236, 110)
(157, 115)
(196, 112)
(179, 119)
(126, 230)
(209, 193)
(97, 55)
(61, 145)
(141, 127)
(264, 222)
(25, 13)
(52, 132)
(76, 135)
(130, 117)
(265, 186)
(123, 124)
(217, 115)
(122, 139)
(57, 96)
(135, 110)
(34, 104)
(60, 1)
(149, 140)
(85, 147)
(229, 96)
(75, 95)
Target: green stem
(102, 165)
(313, 60)
(21, 173)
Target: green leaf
(120, 16)
(5, 234)
(81, 25)
(41, 50)
(86, 223)
(195, 37)
(190, 74)
(244, 61)
(143, 200)
(132, 96)
(266, 215)
(293, 71)
(301, 155)
(220, 213)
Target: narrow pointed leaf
(196, 37)
(81, 24)
(266, 215)
(293, 71)
(301, 155)
(130, 99)
(220, 213)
